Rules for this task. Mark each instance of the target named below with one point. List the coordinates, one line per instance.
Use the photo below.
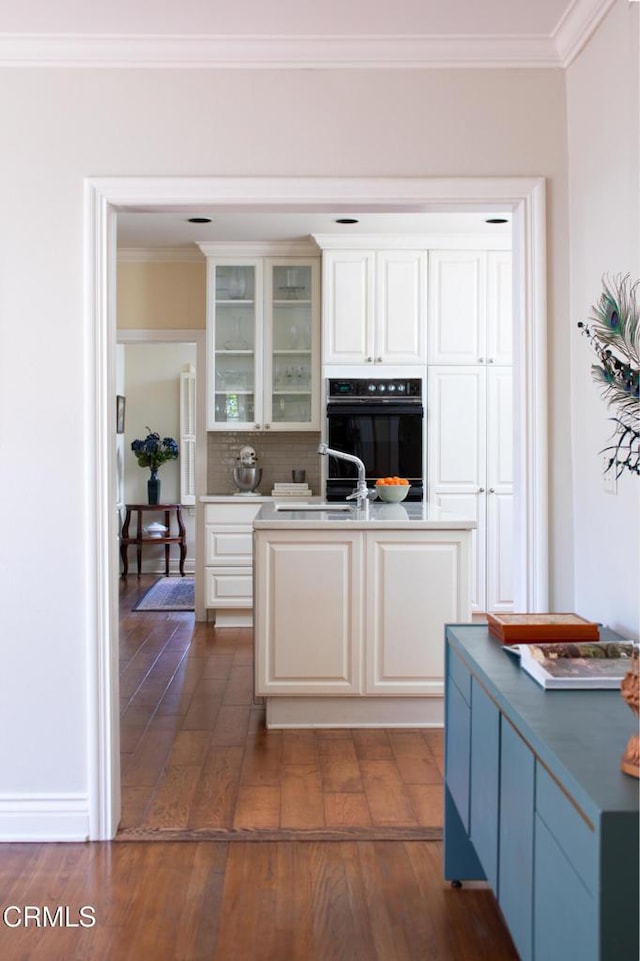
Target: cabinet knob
(369, 360)
(258, 426)
(492, 490)
(490, 360)
(378, 360)
(481, 490)
(267, 426)
(481, 360)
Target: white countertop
(405, 516)
(253, 498)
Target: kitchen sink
(312, 507)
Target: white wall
(152, 385)
(604, 174)
(60, 126)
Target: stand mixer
(247, 476)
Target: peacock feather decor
(614, 334)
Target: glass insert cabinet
(263, 340)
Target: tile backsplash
(278, 454)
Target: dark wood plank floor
(219, 901)
(197, 759)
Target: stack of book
(563, 651)
(291, 490)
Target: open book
(577, 665)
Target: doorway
(523, 196)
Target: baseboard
(40, 817)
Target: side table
(141, 538)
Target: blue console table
(536, 804)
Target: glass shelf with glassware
(234, 407)
(294, 408)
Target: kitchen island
(350, 608)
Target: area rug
(169, 594)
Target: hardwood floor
(276, 901)
(197, 760)
(194, 754)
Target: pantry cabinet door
(401, 307)
(457, 307)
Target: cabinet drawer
(458, 749)
(228, 587)
(484, 797)
(565, 916)
(228, 546)
(568, 826)
(241, 513)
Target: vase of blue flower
(153, 488)
(152, 452)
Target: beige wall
(161, 296)
(60, 126)
(603, 88)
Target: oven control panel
(375, 388)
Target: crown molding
(440, 241)
(165, 255)
(259, 248)
(401, 51)
(277, 52)
(578, 24)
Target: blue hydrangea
(152, 452)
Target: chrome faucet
(362, 492)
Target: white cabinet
(470, 409)
(262, 342)
(416, 583)
(374, 306)
(308, 620)
(357, 613)
(228, 573)
(470, 458)
(470, 307)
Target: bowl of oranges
(392, 490)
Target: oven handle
(379, 407)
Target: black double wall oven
(381, 422)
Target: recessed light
(199, 220)
(497, 220)
(347, 220)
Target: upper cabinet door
(457, 307)
(291, 342)
(234, 333)
(401, 307)
(348, 306)
(499, 307)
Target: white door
(348, 306)
(456, 455)
(457, 307)
(499, 308)
(500, 489)
(401, 307)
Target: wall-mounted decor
(120, 404)
(614, 334)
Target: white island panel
(308, 613)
